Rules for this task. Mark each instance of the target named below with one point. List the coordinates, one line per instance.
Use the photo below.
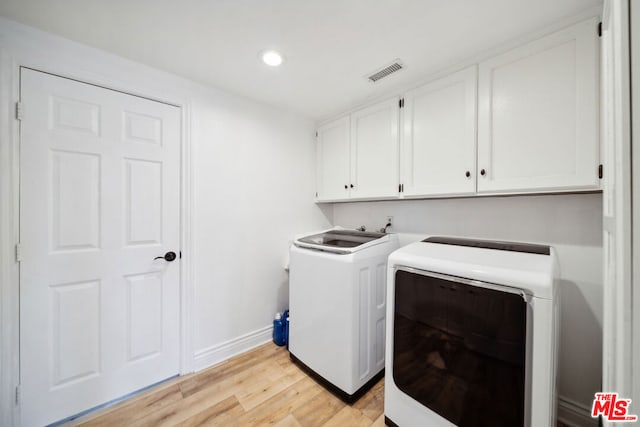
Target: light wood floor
(258, 388)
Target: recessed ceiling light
(272, 58)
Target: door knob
(169, 256)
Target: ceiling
(330, 45)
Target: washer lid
(340, 241)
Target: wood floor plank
(259, 390)
(379, 422)
(193, 404)
(233, 383)
(138, 408)
(349, 416)
(222, 414)
(282, 405)
(319, 409)
(372, 403)
(288, 421)
(241, 367)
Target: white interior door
(99, 200)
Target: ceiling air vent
(385, 71)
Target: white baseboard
(575, 414)
(221, 352)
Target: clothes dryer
(472, 334)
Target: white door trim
(635, 208)
(9, 232)
(617, 222)
(10, 216)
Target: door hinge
(401, 103)
(600, 171)
(18, 252)
(599, 29)
(18, 395)
(19, 110)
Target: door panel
(374, 150)
(75, 197)
(100, 199)
(439, 143)
(538, 114)
(143, 202)
(144, 315)
(75, 116)
(141, 128)
(333, 160)
(76, 329)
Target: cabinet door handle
(467, 174)
(483, 172)
(351, 185)
(345, 186)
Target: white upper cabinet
(538, 115)
(374, 150)
(439, 137)
(333, 160)
(526, 121)
(357, 155)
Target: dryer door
(459, 348)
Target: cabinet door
(439, 137)
(333, 160)
(374, 150)
(538, 115)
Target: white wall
(571, 223)
(255, 187)
(252, 191)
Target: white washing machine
(337, 302)
(472, 333)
